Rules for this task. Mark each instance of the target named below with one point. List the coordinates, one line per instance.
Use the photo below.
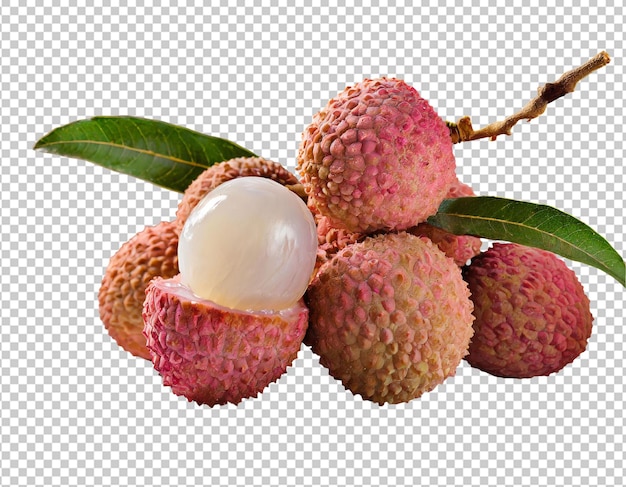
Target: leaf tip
(43, 141)
(39, 144)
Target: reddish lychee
(377, 157)
(532, 314)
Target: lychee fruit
(234, 320)
(460, 248)
(150, 253)
(532, 314)
(390, 317)
(377, 157)
(219, 173)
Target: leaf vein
(133, 149)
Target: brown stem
(462, 130)
(298, 189)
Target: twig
(463, 131)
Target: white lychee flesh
(250, 244)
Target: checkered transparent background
(77, 410)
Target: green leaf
(530, 224)
(161, 153)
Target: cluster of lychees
(391, 304)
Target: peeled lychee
(234, 319)
(532, 314)
(150, 253)
(390, 317)
(249, 244)
(459, 248)
(219, 173)
(377, 157)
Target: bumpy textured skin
(390, 317)
(377, 157)
(532, 314)
(225, 171)
(459, 248)
(214, 355)
(152, 252)
(330, 239)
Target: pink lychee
(234, 319)
(390, 317)
(377, 157)
(532, 314)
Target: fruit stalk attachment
(298, 189)
(462, 130)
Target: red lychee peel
(216, 355)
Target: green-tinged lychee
(459, 248)
(234, 319)
(390, 317)
(219, 173)
(150, 253)
(532, 314)
(377, 157)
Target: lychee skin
(219, 173)
(459, 189)
(150, 253)
(216, 355)
(330, 239)
(390, 317)
(532, 314)
(459, 248)
(377, 157)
